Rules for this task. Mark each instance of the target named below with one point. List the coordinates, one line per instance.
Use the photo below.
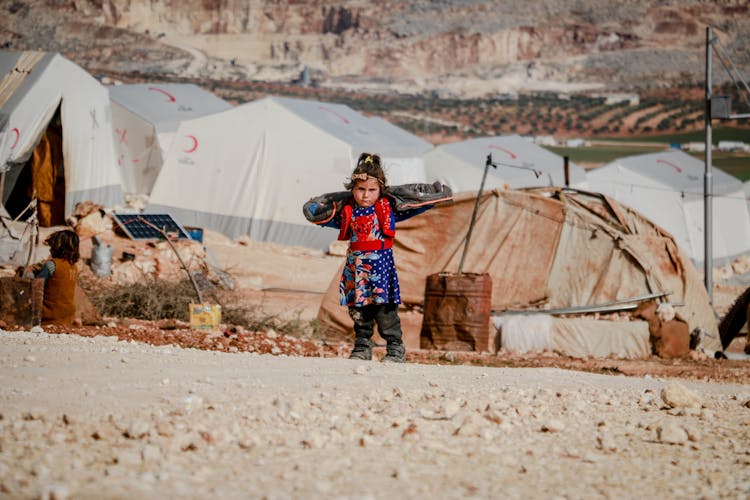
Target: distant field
(600, 155)
(733, 163)
(738, 166)
(717, 134)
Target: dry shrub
(148, 299)
(155, 300)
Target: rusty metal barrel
(457, 310)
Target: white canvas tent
(35, 89)
(667, 187)
(250, 169)
(145, 117)
(461, 165)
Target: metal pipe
(2, 186)
(617, 305)
(487, 165)
(33, 221)
(708, 180)
(174, 249)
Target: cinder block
(21, 301)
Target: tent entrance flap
(42, 176)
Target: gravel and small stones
(229, 424)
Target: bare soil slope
(460, 48)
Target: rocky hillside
(454, 48)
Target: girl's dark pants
(389, 327)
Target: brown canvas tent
(545, 248)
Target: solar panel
(148, 226)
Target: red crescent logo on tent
(343, 119)
(679, 170)
(509, 153)
(122, 134)
(18, 136)
(193, 146)
(169, 96)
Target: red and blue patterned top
(370, 276)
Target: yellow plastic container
(205, 316)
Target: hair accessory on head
(363, 177)
(367, 160)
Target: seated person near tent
(60, 274)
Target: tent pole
(33, 222)
(474, 213)
(708, 179)
(182, 262)
(2, 187)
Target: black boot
(363, 330)
(389, 326)
(362, 349)
(394, 353)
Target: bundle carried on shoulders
(321, 209)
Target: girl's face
(366, 193)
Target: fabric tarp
(544, 248)
(46, 179)
(576, 337)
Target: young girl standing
(369, 283)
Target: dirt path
(94, 417)
(199, 59)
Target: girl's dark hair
(64, 245)
(368, 165)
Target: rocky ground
(233, 339)
(151, 409)
(98, 417)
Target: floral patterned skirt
(369, 278)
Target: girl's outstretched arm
(324, 210)
(409, 200)
(407, 214)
